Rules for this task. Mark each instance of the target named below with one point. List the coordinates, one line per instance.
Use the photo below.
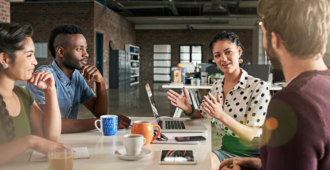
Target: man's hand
(91, 73)
(238, 163)
(123, 122)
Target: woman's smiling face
(226, 55)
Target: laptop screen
(152, 101)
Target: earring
(5, 66)
(240, 61)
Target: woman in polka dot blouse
(238, 102)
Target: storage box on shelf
(134, 52)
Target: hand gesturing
(177, 100)
(212, 106)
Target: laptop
(175, 125)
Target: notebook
(79, 153)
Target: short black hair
(230, 36)
(62, 29)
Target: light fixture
(190, 28)
(120, 4)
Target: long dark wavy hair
(232, 37)
(12, 37)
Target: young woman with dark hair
(22, 124)
(238, 102)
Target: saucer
(121, 153)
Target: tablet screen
(177, 156)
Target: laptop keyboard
(173, 124)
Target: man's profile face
(76, 55)
(273, 57)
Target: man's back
(296, 131)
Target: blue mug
(109, 125)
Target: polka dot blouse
(247, 103)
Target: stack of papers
(79, 153)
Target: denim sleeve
(86, 93)
(36, 93)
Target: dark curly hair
(12, 37)
(232, 37)
(62, 29)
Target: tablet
(177, 157)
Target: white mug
(133, 144)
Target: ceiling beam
(184, 26)
(172, 7)
(122, 7)
(250, 3)
(145, 7)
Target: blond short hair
(304, 25)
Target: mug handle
(95, 123)
(144, 139)
(154, 125)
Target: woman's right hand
(43, 80)
(182, 102)
(41, 145)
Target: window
(191, 53)
(40, 50)
(162, 63)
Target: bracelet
(190, 113)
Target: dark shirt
(300, 118)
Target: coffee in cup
(133, 144)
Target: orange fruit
(180, 65)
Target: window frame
(153, 59)
(190, 51)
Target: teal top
(22, 121)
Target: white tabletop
(168, 86)
(102, 149)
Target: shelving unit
(134, 53)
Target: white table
(168, 86)
(102, 149)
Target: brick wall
(90, 16)
(5, 11)
(147, 38)
(115, 28)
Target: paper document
(79, 153)
(171, 140)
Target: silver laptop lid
(152, 102)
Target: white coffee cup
(133, 144)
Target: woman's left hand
(213, 107)
(43, 80)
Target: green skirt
(237, 147)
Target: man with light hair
(296, 133)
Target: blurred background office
(133, 42)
